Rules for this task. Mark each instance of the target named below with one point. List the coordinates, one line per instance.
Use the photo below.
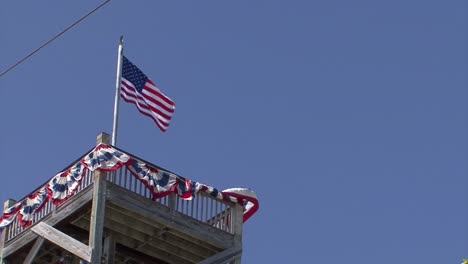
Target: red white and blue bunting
(107, 158)
(64, 185)
(160, 183)
(34, 202)
(9, 215)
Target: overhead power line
(52, 39)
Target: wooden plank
(237, 218)
(163, 235)
(172, 203)
(68, 208)
(33, 252)
(206, 249)
(126, 253)
(145, 243)
(224, 256)
(158, 248)
(160, 235)
(185, 224)
(63, 240)
(152, 240)
(109, 250)
(96, 228)
(146, 249)
(97, 216)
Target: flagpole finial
(121, 39)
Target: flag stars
(133, 74)
(137, 89)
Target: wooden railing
(14, 229)
(202, 207)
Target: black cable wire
(52, 39)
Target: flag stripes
(137, 89)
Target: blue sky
(348, 118)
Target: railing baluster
(9, 230)
(193, 205)
(119, 182)
(198, 207)
(212, 201)
(217, 214)
(183, 202)
(202, 208)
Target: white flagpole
(117, 91)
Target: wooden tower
(110, 216)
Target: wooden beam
(224, 256)
(177, 221)
(144, 248)
(96, 228)
(68, 208)
(172, 202)
(238, 221)
(63, 240)
(172, 236)
(144, 243)
(128, 253)
(109, 249)
(161, 235)
(153, 241)
(47, 253)
(33, 252)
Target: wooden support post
(237, 222)
(96, 228)
(109, 249)
(33, 252)
(223, 256)
(172, 202)
(7, 204)
(62, 240)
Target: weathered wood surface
(98, 208)
(109, 250)
(196, 248)
(224, 256)
(160, 242)
(141, 244)
(161, 214)
(63, 240)
(68, 208)
(152, 240)
(97, 216)
(238, 214)
(34, 250)
(172, 236)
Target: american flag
(138, 89)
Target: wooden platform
(112, 219)
(138, 229)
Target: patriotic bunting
(107, 158)
(32, 203)
(160, 183)
(63, 185)
(9, 215)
